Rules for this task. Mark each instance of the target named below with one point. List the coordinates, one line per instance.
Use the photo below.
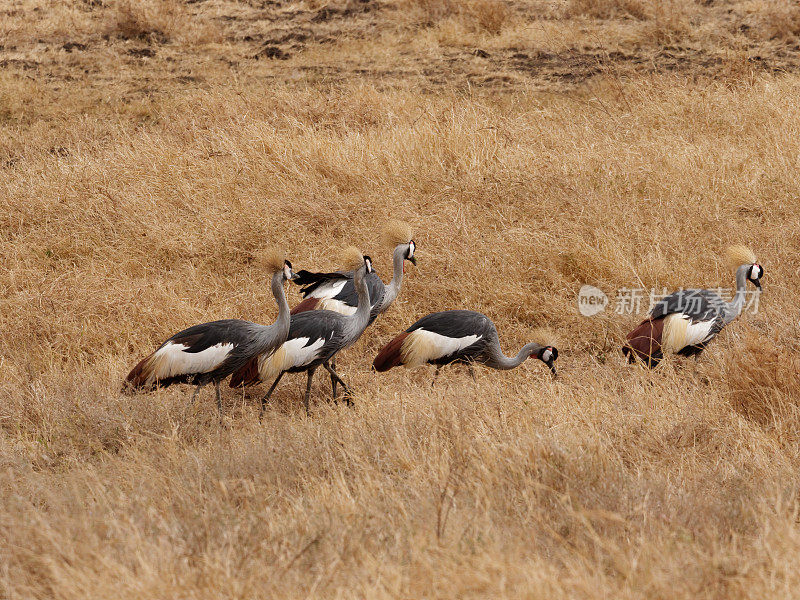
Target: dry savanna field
(151, 151)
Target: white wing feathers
(292, 353)
(171, 360)
(328, 289)
(337, 306)
(421, 346)
(680, 332)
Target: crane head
(288, 273)
(412, 247)
(755, 273)
(548, 355)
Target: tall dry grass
(124, 220)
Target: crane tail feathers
(391, 355)
(140, 374)
(305, 305)
(644, 342)
(246, 375)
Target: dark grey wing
(310, 282)
(455, 323)
(347, 294)
(459, 324)
(700, 305)
(201, 337)
(315, 325)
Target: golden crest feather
(397, 232)
(544, 337)
(272, 258)
(740, 255)
(352, 258)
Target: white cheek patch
(756, 274)
(546, 355)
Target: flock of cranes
(338, 307)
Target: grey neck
(357, 322)
(393, 289)
(734, 308)
(276, 333)
(498, 360)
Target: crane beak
(294, 276)
(412, 260)
(757, 284)
(553, 370)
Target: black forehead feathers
(367, 258)
(287, 263)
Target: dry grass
(489, 16)
(776, 20)
(143, 178)
(157, 21)
(609, 9)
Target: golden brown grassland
(150, 150)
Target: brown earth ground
(150, 151)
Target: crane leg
(268, 394)
(308, 389)
(196, 392)
(219, 399)
(435, 375)
(335, 377)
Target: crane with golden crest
(209, 352)
(336, 291)
(685, 321)
(459, 336)
(314, 338)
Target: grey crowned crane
(209, 352)
(686, 321)
(451, 336)
(314, 338)
(336, 291)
